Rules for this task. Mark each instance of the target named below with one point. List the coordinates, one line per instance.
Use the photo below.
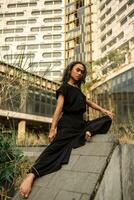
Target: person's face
(77, 72)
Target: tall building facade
(78, 37)
(34, 29)
(115, 22)
(115, 91)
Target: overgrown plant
(10, 160)
(13, 93)
(112, 59)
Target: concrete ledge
(79, 179)
(25, 116)
(118, 179)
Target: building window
(4, 48)
(103, 38)
(43, 46)
(109, 33)
(8, 30)
(56, 54)
(20, 38)
(20, 14)
(9, 14)
(9, 39)
(21, 47)
(103, 49)
(123, 21)
(16, 56)
(102, 7)
(130, 2)
(48, 2)
(131, 14)
(22, 5)
(79, 4)
(46, 12)
(35, 29)
(58, 19)
(45, 64)
(47, 55)
(31, 38)
(21, 21)
(32, 3)
(19, 30)
(48, 20)
(47, 28)
(17, 22)
(121, 35)
(111, 20)
(31, 21)
(111, 43)
(56, 28)
(57, 45)
(23, 38)
(102, 18)
(35, 13)
(57, 11)
(10, 22)
(58, 2)
(108, 11)
(121, 10)
(47, 37)
(103, 27)
(7, 57)
(57, 64)
(57, 36)
(11, 5)
(33, 46)
(108, 1)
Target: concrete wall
(127, 171)
(118, 179)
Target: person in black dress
(68, 129)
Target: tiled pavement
(79, 179)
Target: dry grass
(32, 139)
(126, 140)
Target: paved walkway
(80, 178)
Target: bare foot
(88, 136)
(26, 185)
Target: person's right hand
(51, 135)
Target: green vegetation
(112, 59)
(10, 160)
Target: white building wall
(115, 21)
(36, 29)
(95, 30)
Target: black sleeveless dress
(71, 130)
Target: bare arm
(99, 108)
(56, 116)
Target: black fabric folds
(70, 131)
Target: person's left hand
(107, 112)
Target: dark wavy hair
(67, 72)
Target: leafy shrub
(10, 160)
